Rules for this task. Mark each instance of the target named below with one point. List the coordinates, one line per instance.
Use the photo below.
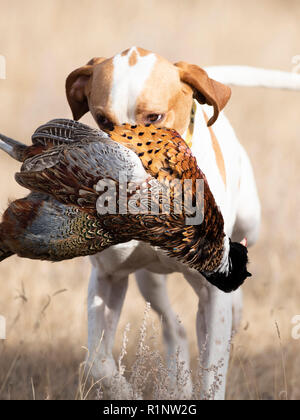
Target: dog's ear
(206, 90)
(76, 87)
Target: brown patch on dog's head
(133, 58)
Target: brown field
(42, 43)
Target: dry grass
(43, 42)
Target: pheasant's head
(231, 279)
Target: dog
(140, 87)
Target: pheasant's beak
(244, 242)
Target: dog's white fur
(218, 313)
(127, 84)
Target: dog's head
(140, 87)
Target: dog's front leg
(214, 333)
(154, 289)
(105, 300)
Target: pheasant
(92, 189)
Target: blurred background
(44, 303)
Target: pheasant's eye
(154, 118)
(104, 122)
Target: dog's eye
(154, 118)
(104, 122)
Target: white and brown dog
(137, 86)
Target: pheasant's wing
(72, 173)
(64, 132)
(59, 132)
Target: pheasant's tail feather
(13, 147)
(64, 131)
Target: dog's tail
(254, 77)
(13, 147)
